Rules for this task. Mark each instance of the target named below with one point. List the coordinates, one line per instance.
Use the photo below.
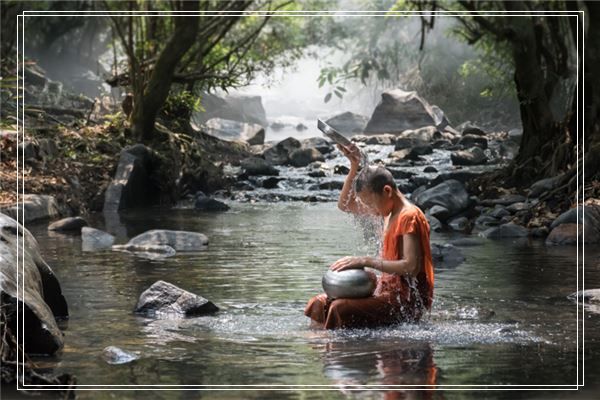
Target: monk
(405, 288)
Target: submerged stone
(179, 240)
(164, 299)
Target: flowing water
(500, 318)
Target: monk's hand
(352, 153)
(349, 262)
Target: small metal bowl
(348, 284)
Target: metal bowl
(348, 284)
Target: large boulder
(179, 240)
(450, 194)
(472, 156)
(34, 207)
(164, 299)
(582, 222)
(318, 143)
(234, 130)
(68, 224)
(471, 140)
(399, 110)
(253, 166)
(280, 153)
(39, 294)
(132, 185)
(446, 255)
(348, 123)
(242, 108)
(509, 230)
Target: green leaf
(327, 97)
(338, 94)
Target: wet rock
(505, 200)
(471, 129)
(441, 144)
(280, 153)
(235, 130)
(399, 110)
(461, 176)
(467, 242)
(499, 212)
(472, 156)
(317, 174)
(400, 173)
(39, 296)
(95, 239)
(406, 187)
(68, 224)
(577, 215)
(205, 203)
(434, 224)
(460, 224)
(115, 355)
(342, 170)
(589, 296)
(473, 141)
(430, 169)
(566, 234)
(257, 139)
(446, 255)
(164, 299)
(322, 145)
(450, 194)
(509, 230)
(422, 135)
(132, 186)
(540, 232)
(33, 207)
(305, 156)
(486, 221)
(544, 185)
(331, 185)
(242, 108)
(407, 142)
(179, 240)
(384, 139)
(273, 182)
(254, 166)
(348, 123)
(439, 212)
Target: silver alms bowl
(348, 284)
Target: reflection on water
(501, 317)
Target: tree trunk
(149, 99)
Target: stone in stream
(95, 239)
(544, 185)
(568, 226)
(132, 186)
(407, 142)
(258, 166)
(450, 194)
(434, 224)
(473, 141)
(317, 174)
(179, 240)
(331, 185)
(164, 299)
(205, 203)
(150, 250)
(499, 212)
(520, 206)
(446, 255)
(384, 139)
(509, 230)
(400, 173)
(591, 213)
(273, 182)
(68, 224)
(257, 139)
(486, 221)
(460, 224)
(505, 200)
(588, 296)
(115, 355)
(439, 212)
(343, 170)
(322, 145)
(39, 296)
(430, 169)
(280, 153)
(348, 123)
(305, 156)
(461, 176)
(472, 156)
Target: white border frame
(281, 387)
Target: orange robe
(396, 298)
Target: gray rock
(474, 141)
(446, 255)
(450, 194)
(258, 166)
(540, 232)
(280, 153)
(95, 239)
(257, 139)
(39, 295)
(348, 123)
(343, 170)
(147, 250)
(520, 206)
(235, 107)
(303, 157)
(204, 203)
(509, 230)
(115, 355)
(505, 200)
(164, 299)
(472, 156)
(544, 185)
(591, 213)
(399, 110)
(441, 144)
(132, 185)
(400, 173)
(461, 176)
(430, 169)
(231, 130)
(460, 224)
(331, 185)
(179, 240)
(439, 212)
(322, 145)
(317, 174)
(384, 139)
(273, 182)
(434, 224)
(589, 296)
(499, 212)
(486, 221)
(33, 207)
(68, 224)
(407, 142)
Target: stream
(500, 318)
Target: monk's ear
(387, 190)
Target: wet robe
(396, 298)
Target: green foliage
(181, 105)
